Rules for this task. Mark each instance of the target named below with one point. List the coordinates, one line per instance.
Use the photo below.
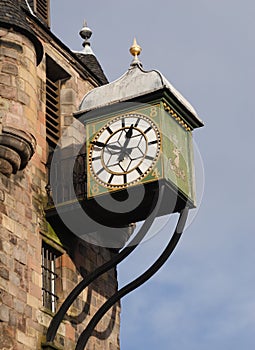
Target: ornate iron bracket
(84, 337)
(58, 318)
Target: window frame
(55, 76)
(42, 9)
(49, 255)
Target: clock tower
(138, 137)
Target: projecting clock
(124, 150)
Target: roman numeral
(149, 128)
(109, 130)
(137, 122)
(125, 178)
(111, 178)
(152, 142)
(139, 171)
(123, 123)
(96, 158)
(100, 171)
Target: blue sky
(204, 297)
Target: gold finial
(135, 50)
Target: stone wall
(18, 101)
(23, 178)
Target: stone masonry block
(43, 318)
(23, 97)
(25, 74)
(19, 306)
(26, 340)
(68, 119)
(10, 201)
(5, 79)
(20, 83)
(21, 295)
(20, 232)
(9, 53)
(36, 278)
(33, 302)
(16, 108)
(10, 68)
(8, 223)
(3, 258)
(8, 92)
(11, 45)
(67, 96)
(4, 103)
(4, 273)
(6, 298)
(35, 291)
(14, 279)
(6, 337)
(19, 254)
(4, 313)
(29, 53)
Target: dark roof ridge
(13, 14)
(87, 68)
(92, 63)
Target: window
(49, 276)
(41, 9)
(54, 75)
(52, 112)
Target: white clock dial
(125, 150)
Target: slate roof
(92, 63)
(13, 16)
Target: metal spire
(86, 33)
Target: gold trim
(176, 117)
(129, 114)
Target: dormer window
(42, 9)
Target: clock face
(124, 151)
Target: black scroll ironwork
(59, 316)
(84, 337)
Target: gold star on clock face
(124, 151)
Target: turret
(21, 53)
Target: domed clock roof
(136, 82)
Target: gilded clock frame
(151, 115)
